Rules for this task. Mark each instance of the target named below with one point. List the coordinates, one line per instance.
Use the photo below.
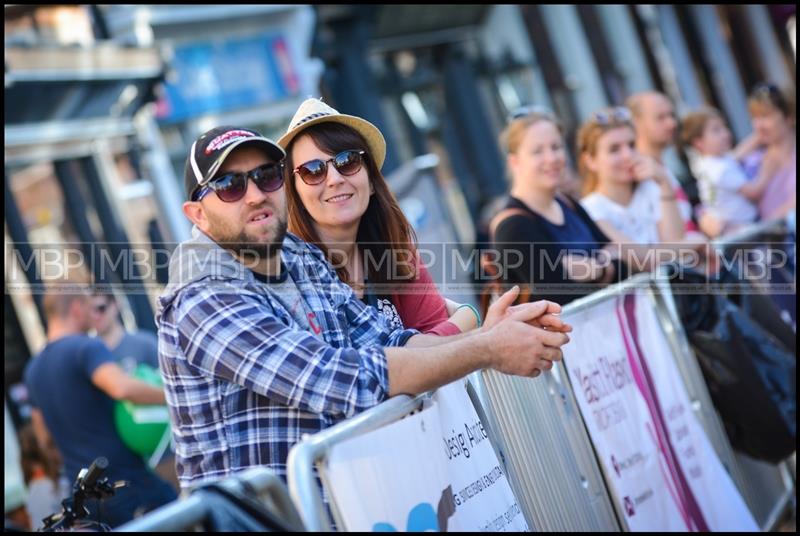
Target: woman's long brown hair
(383, 229)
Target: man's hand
(521, 349)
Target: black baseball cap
(210, 150)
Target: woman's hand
(646, 167)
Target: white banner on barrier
(431, 471)
(658, 461)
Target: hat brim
(272, 150)
(375, 140)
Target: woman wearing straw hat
(339, 200)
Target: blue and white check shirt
(245, 380)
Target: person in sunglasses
(260, 342)
(130, 348)
(339, 201)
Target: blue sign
(216, 76)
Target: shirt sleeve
(233, 335)
(94, 353)
(422, 307)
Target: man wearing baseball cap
(261, 343)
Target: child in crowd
(723, 184)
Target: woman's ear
(589, 161)
(512, 161)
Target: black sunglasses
(231, 187)
(347, 163)
(618, 114)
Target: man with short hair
(129, 347)
(656, 129)
(260, 342)
(73, 383)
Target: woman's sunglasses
(525, 111)
(346, 163)
(231, 187)
(619, 114)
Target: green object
(474, 310)
(141, 427)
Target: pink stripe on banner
(647, 386)
(638, 377)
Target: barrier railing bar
(304, 456)
(777, 226)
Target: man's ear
(196, 214)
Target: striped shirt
(245, 379)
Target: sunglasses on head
(231, 187)
(347, 163)
(766, 90)
(619, 114)
(525, 111)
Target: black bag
(747, 355)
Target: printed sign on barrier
(659, 464)
(432, 471)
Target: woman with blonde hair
(339, 201)
(629, 195)
(551, 246)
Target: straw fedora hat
(314, 111)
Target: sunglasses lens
(268, 177)
(313, 172)
(347, 162)
(230, 187)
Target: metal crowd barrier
(552, 466)
(185, 514)
(313, 452)
(539, 435)
(761, 229)
(551, 463)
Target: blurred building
(103, 101)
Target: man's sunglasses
(231, 187)
(347, 163)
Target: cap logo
(226, 139)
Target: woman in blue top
(547, 242)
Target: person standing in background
(656, 126)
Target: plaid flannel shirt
(244, 380)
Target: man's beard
(249, 249)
